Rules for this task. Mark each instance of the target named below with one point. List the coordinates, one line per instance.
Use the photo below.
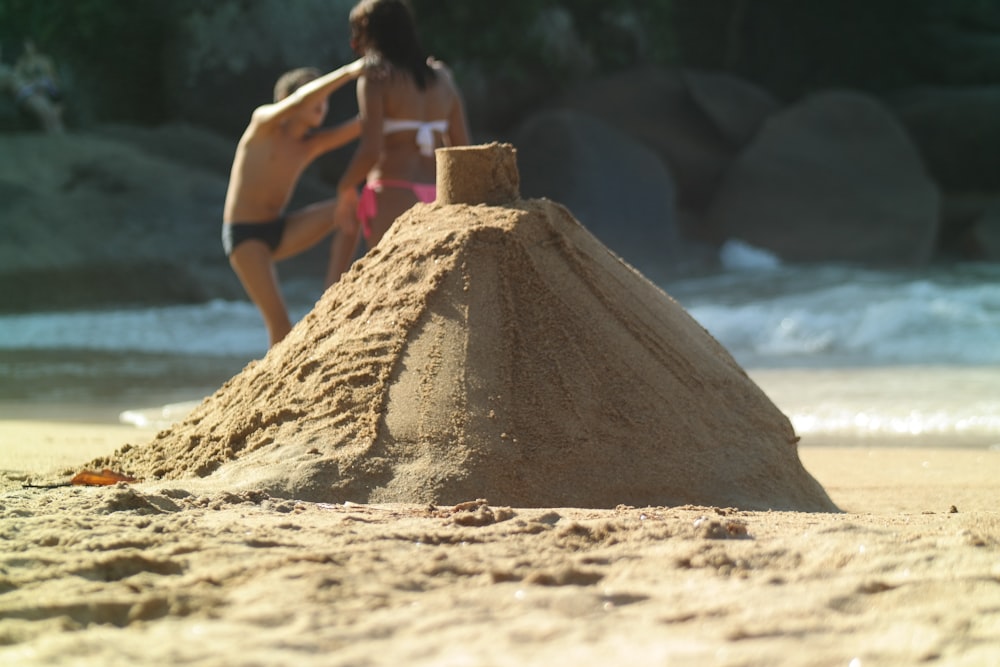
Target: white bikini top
(425, 131)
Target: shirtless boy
(281, 140)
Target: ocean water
(851, 355)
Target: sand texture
(124, 576)
(499, 352)
(493, 444)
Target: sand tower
(490, 347)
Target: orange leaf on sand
(104, 478)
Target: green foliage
(623, 32)
(100, 46)
(80, 26)
(502, 36)
(110, 52)
(472, 32)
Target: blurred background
(818, 183)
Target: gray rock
(10, 116)
(957, 132)
(988, 234)
(834, 178)
(97, 221)
(971, 228)
(654, 106)
(122, 217)
(735, 106)
(621, 191)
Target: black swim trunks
(235, 233)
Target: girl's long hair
(386, 30)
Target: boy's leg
(305, 228)
(253, 264)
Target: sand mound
(498, 352)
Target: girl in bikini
(408, 106)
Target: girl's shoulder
(377, 73)
(438, 66)
(441, 71)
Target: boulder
(957, 132)
(180, 143)
(95, 221)
(987, 233)
(736, 107)
(620, 190)
(958, 42)
(793, 48)
(124, 215)
(834, 178)
(971, 228)
(11, 117)
(655, 107)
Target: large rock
(96, 221)
(959, 42)
(125, 215)
(736, 107)
(620, 190)
(793, 48)
(957, 131)
(655, 107)
(11, 117)
(971, 228)
(834, 178)
(987, 234)
(491, 351)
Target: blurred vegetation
(98, 45)
(792, 47)
(113, 51)
(507, 38)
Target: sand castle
(490, 347)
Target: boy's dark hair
(292, 80)
(385, 29)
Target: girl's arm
(458, 124)
(371, 112)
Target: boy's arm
(311, 92)
(332, 138)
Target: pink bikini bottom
(368, 206)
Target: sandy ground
(908, 574)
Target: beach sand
(477, 350)
(154, 575)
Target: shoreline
(904, 403)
